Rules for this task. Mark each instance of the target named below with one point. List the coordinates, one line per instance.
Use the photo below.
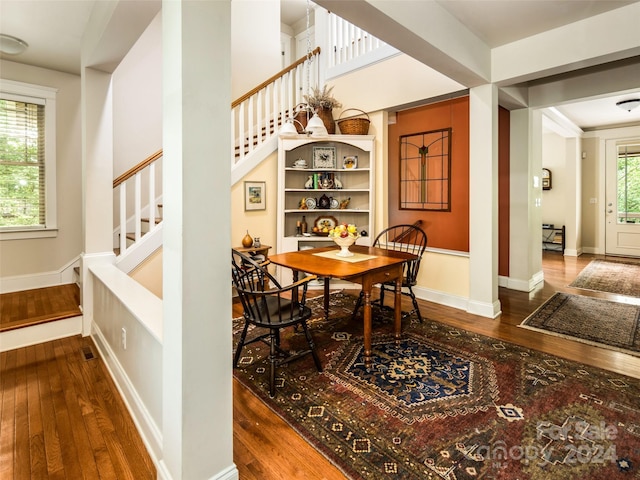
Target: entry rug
(445, 403)
(613, 276)
(590, 320)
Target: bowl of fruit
(344, 235)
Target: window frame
(12, 90)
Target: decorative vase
(247, 241)
(344, 243)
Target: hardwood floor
(39, 305)
(62, 417)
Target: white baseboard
(40, 280)
(521, 285)
(441, 298)
(229, 473)
(149, 432)
(43, 332)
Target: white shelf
(357, 184)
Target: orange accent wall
(503, 190)
(447, 230)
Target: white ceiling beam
(603, 38)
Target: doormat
(589, 320)
(613, 276)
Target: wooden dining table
(367, 267)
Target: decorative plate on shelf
(325, 221)
(350, 162)
(334, 203)
(311, 203)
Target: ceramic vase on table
(344, 243)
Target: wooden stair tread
(40, 305)
(146, 220)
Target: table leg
(326, 297)
(397, 310)
(366, 289)
(294, 294)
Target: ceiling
(496, 22)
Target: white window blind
(22, 163)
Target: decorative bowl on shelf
(344, 243)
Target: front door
(622, 198)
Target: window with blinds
(22, 163)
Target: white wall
(255, 43)
(554, 153)
(137, 101)
(38, 256)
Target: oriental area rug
(595, 321)
(445, 403)
(613, 276)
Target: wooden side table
(251, 251)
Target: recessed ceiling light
(12, 45)
(628, 105)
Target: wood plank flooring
(39, 305)
(62, 417)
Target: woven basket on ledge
(354, 125)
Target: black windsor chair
(272, 308)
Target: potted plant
(322, 102)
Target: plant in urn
(344, 235)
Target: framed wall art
(255, 196)
(324, 157)
(425, 171)
(546, 179)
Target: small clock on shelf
(546, 179)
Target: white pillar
(573, 197)
(97, 175)
(483, 208)
(525, 221)
(197, 419)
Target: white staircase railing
(347, 47)
(132, 185)
(257, 115)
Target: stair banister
(147, 165)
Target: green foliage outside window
(628, 187)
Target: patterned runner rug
(590, 320)
(446, 403)
(612, 276)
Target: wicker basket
(355, 124)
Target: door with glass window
(622, 235)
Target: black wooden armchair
(403, 238)
(272, 309)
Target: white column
(483, 208)
(197, 419)
(573, 197)
(97, 177)
(525, 221)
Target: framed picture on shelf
(255, 196)
(324, 157)
(350, 162)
